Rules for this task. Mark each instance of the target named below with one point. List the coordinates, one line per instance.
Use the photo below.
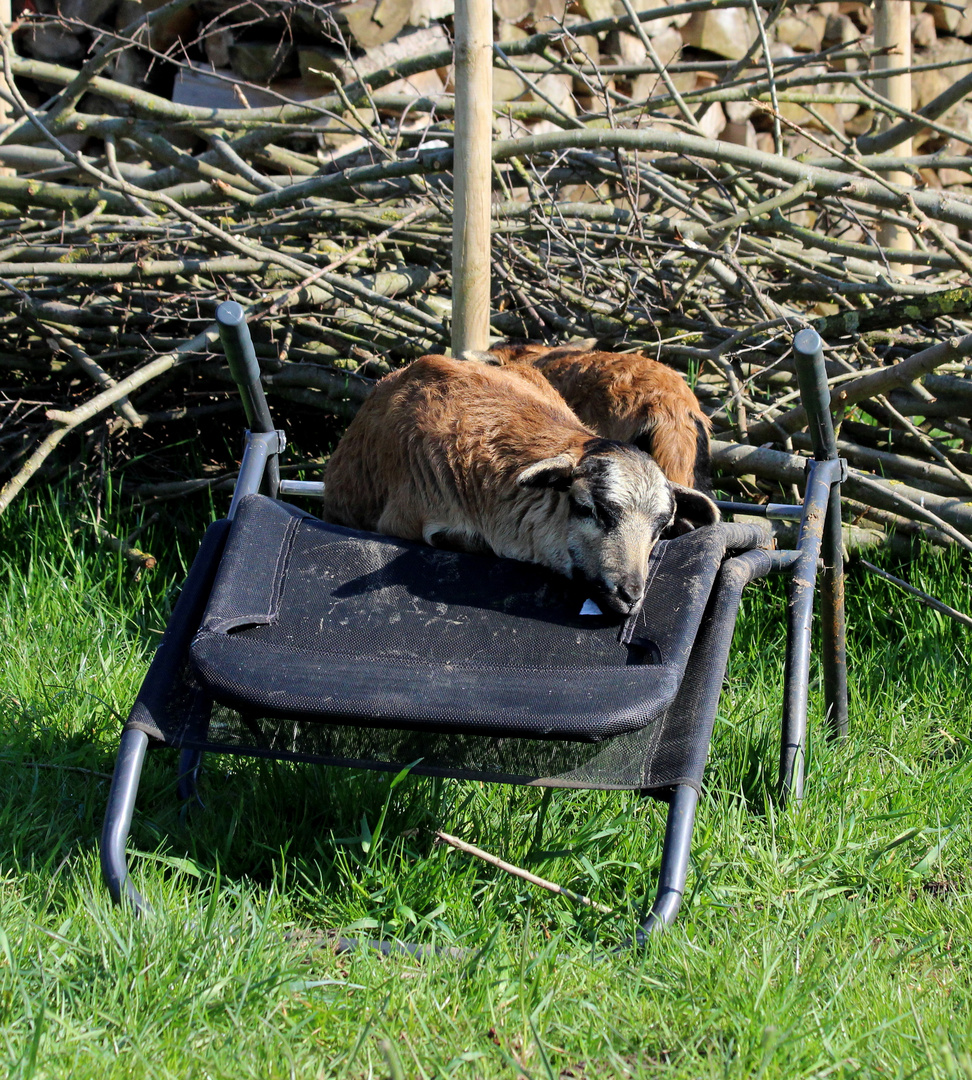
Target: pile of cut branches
(617, 219)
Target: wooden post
(472, 175)
(892, 31)
(6, 18)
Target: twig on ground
(516, 871)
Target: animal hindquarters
(627, 397)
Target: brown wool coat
(628, 397)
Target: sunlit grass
(832, 939)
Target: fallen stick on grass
(516, 871)
(927, 599)
(62, 768)
(140, 560)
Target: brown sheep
(628, 397)
(478, 458)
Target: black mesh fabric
(169, 698)
(671, 751)
(176, 709)
(311, 621)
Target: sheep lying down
(472, 457)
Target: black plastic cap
(814, 392)
(238, 347)
(807, 342)
(230, 314)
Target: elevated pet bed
(300, 640)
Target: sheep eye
(582, 509)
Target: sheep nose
(632, 592)
(628, 590)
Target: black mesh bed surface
(322, 643)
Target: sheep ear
(554, 472)
(694, 508)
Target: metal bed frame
(819, 545)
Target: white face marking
(620, 502)
(617, 483)
(597, 521)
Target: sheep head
(613, 505)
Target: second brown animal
(627, 397)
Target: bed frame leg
(189, 764)
(118, 819)
(820, 535)
(833, 621)
(674, 863)
(796, 680)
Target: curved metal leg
(674, 863)
(118, 819)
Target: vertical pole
(6, 18)
(799, 625)
(234, 336)
(812, 377)
(892, 32)
(472, 165)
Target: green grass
(830, 940)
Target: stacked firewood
(224, 54)
(659, 183)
